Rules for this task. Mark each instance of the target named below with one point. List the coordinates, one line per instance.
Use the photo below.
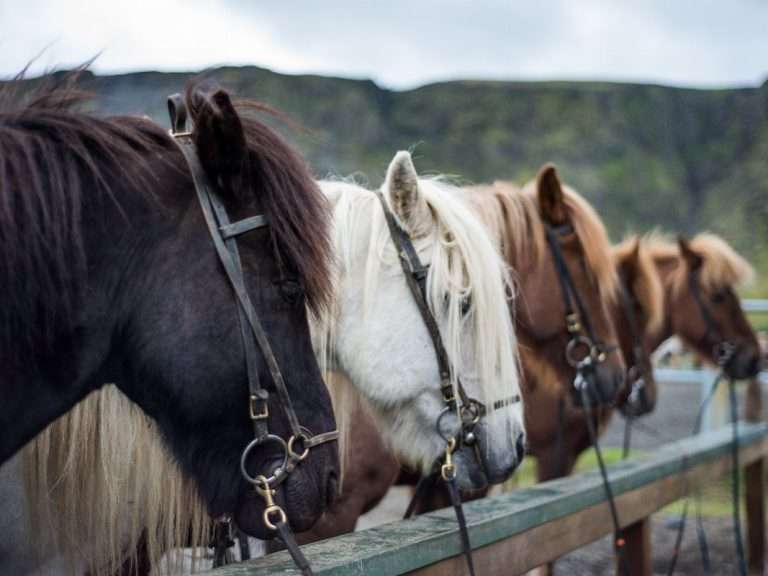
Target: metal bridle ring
(291, 454)
(440, 433)
(573, 346)
(258, 442)
(471, 413)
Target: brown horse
(638, 315)
(521, 220)
(699, 277)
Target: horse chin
(746, 363)
(299, 496)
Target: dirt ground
(597, 558)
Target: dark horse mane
(55, 158)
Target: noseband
(468, 410)
(584, 350)
(224, 234)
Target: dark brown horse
(108, 274)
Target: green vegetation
(647, 156)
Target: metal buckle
(573, 324)
(258, 414)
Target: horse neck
(73, 362)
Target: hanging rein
(467, 410)
(584, 352)
(296, 448)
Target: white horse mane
(464, 266)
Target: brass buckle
(255, 413)
(573, 323)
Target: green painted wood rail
(432, 539)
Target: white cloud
(401, 43)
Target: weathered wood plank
(557, 517)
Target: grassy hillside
(647, 156)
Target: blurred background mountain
(648, 157)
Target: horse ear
(408, 203)
(629, 264)
(219, 137)
(550, 194)
(691, 257)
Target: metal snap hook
(271, 509)
(448, 469)
(276, 475)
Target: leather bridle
(224, 235)
(723, 350)
(468, 410)
(583, 339)
(637, 363)
(584, 351)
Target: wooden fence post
(755, 487)
(637, 547)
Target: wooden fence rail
(517, 531)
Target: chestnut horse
(699, 277)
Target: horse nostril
(520, 448)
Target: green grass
(715, 497)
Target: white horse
(376, 337)
(373, 333)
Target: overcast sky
(401, 43)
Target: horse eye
(292, 290)
(466, 305)
(719, 296)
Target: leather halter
(637, 363)
(224, 235)
(467, 409)
(723, 350)
(581, 334)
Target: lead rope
(735, 488)
(701, 535)
(448, 473)
(581, 384)
(280, 525)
